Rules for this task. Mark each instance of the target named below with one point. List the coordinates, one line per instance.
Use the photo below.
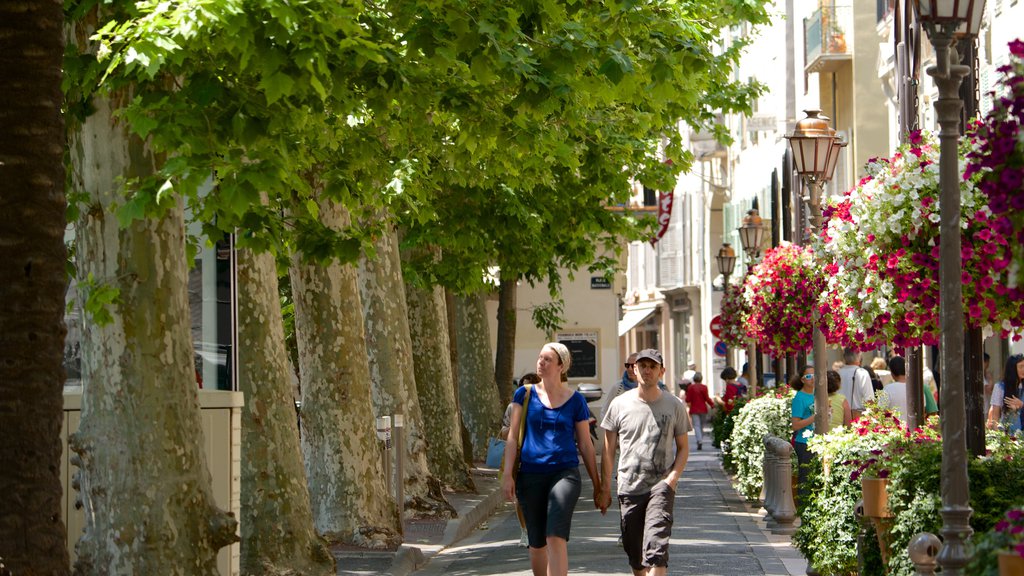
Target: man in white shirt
(855, 382)
(894, 395)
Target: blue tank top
(549, 444)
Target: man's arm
(611, 443)
(679, 464)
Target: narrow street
(716, 533)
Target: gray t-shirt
(647, 432)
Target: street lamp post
(945, 21)
(816, 151)
(751, 237)
(726, 262)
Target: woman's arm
(586, 446)
(799, 423)
(508, 484)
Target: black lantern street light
(726, 262)
(816, 150)
(945, 21)
(752, 238)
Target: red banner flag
(664, 215)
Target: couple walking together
(647, 426)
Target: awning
(633, 317)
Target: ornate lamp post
(751, 237)
(815, 155)
(945, 21)
(726, 262)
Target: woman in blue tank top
(548, 483)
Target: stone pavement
(425, 538)
(716, 533)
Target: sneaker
(523, 542)
(698, 446)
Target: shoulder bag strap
(522, 420)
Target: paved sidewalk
(716, 533)
(425, 538)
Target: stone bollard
(768, 474)
(924, 550)
(784, 512)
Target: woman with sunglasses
(802, 418)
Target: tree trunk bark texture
(435, 385)
(505, 358)
(451, 306)
(392, 376)
(478, 394)
(143, 478)
(343, 463)
(34, 281)
(278, 537)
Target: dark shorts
(646, 521)
(548, 500)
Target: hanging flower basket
(734, 317)
(876, 497)
(780, 293)
(999, 161)
(1011, 564)
(880, 247)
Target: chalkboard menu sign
(583, 347)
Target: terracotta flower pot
(876, 497)
(1010, 564)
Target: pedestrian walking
(651, 426)
(547, 483)
(1008, 396)
(627, 383)
(732, 390)
(698, 402)
(856, 382)
(506, 423)
(802, 419)
(839, 407)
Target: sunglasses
(808, 376)
(628, 365)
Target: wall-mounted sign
(583, 345)
(716, 326)
(664, 214)
(762, 123)
(600, 283)
(721, 349)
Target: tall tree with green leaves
(435, 384)
(143, 477)
(346, 478)
(392, 373)
(273, 477)
(33, 281)
(478, 394)
(565, 106)
(256, 95)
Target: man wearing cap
(651, 425)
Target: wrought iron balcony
(826, 42)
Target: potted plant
(1006, 541)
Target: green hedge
(827, 536)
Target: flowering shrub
(828, 533)
(878, 431)
(734, 317)
(880, 244)
(999, 161)
(769, 413)
(780, 293)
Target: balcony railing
(825, 38)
